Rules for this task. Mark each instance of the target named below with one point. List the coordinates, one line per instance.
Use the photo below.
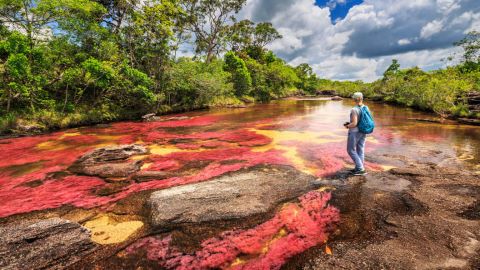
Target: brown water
(196, 146)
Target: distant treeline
(442, 91)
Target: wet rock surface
(416, 217)
(110, 162)
(47, 244)
(236, 195)
(145, 176)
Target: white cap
(357, 95)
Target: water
(36, 182)
(196, 146)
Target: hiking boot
(359, 172)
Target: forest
(66, 63)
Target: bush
(242, 82)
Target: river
(35, 180)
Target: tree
(392, 69)
(242, 82)
(149, 37)
(471, 47)
(117, 12)
(240, 35)
(264, 34)
(308, 79)
(471, 52)
(209, 20)
(245, 35)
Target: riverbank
(420, 216)
(45, 122)
(50, 122)
(435, 118)
(264, 186)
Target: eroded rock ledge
(236, 195)
(47, 244)
(110, 162)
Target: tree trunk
(66, 99)
(9, 100)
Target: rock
(150, 117)
(337, 98)
(110, 162)
(113, 170)
(237, 195)
(427, 120)
(237, 106)
(145, 176)
(409, 171)
(247, 100)
(29, 128)
(468, 121)
(53, 243)
(386, 182)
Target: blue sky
(357, 39)
(338, 8)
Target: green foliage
(73, 62)
(471, 47)
(308, 80)
(393, 69)
(193, 84)
(281, 78)
(242, 82)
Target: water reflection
(196, 146)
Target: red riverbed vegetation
(294, 229)
(34, 170)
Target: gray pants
(356, 148)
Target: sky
(357, 39)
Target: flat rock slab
(237, 195)
(110, 162)
(48, 244)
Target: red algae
(245, 138)
(52, 193)
(190, 157)
(294, 229)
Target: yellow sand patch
(387, 167)
(52, 146)
(312, 137)
(237, 262)
(146, 166)
(107, 231)
(161, 150)
(291, 153)
(326, 188)
(465, 157)
(282, 233)
(139, 157)
(373, 140)
(55, 145)
(70, 134)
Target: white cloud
(404, 41)
(447, 6)
(431, 29)
(362, 45)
